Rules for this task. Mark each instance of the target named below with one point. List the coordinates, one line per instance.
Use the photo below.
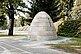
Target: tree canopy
(18, 5)
(76, 10)
(53, 8)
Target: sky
(24, 15)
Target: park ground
(19, 44)
(11, 45)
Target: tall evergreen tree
(10, 7)
(52, 7)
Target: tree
(67, 6)
(22, 20)
(10, 7)
(76, 11)
(2, 20)
(53, 8)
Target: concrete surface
(42, 27)
(13, 46)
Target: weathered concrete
(42, 27)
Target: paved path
(12, 46)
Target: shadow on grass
(73, 46)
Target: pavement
(21, 45)
(10, 45)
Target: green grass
(73, 47)
(5, 35)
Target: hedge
(70, 28)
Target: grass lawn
(73, 46)
(17, 35)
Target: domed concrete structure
(42, 28)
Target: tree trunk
(11, 17)
(11, 25)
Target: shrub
(70, 28)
